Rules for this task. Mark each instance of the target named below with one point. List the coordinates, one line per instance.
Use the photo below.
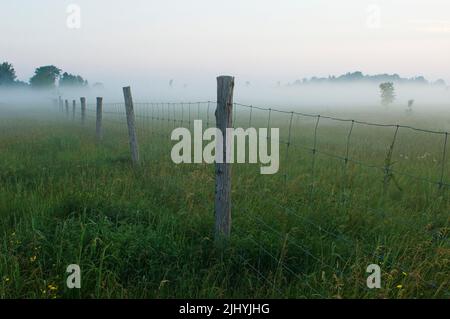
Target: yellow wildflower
(52, 287)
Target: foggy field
(224, 158)
(310, 231)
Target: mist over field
(316, 98)
(233, 149)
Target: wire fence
(321, 157)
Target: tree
(98, 86)
(7, 74)
(45, 77)
(387, 93)
(70, 80)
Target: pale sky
(258, 40)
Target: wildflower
(404, 274)
(6, 279)
(399, 286)
(162, 283)
(33, 258)
(52, 287)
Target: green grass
(309, 231)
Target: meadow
(345, 197)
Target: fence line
(160, 117)
(171, 114)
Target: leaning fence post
(83, 110)
(98, 126)
(74, 106)
(67, 107)
(224, 112)
(131, 125)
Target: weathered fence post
(67, 108)
(98, 126)
(224, 112)
(131, 125)
(74, 109)
(83, 110)
(61, 107)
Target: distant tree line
(45, 77)
(360, 77)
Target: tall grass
(147, 233)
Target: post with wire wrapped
(61, 104)
(224, 112)
(129, 108)
(83, 110)
(74, 109)
(98, 125)
(67, 108)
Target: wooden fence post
(131, 125)
(67, 108)
(224, 112)
(98, 126)
(83, 110)
(74, 109)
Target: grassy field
(309, 231)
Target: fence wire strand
(159, 118)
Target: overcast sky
(258, 40)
